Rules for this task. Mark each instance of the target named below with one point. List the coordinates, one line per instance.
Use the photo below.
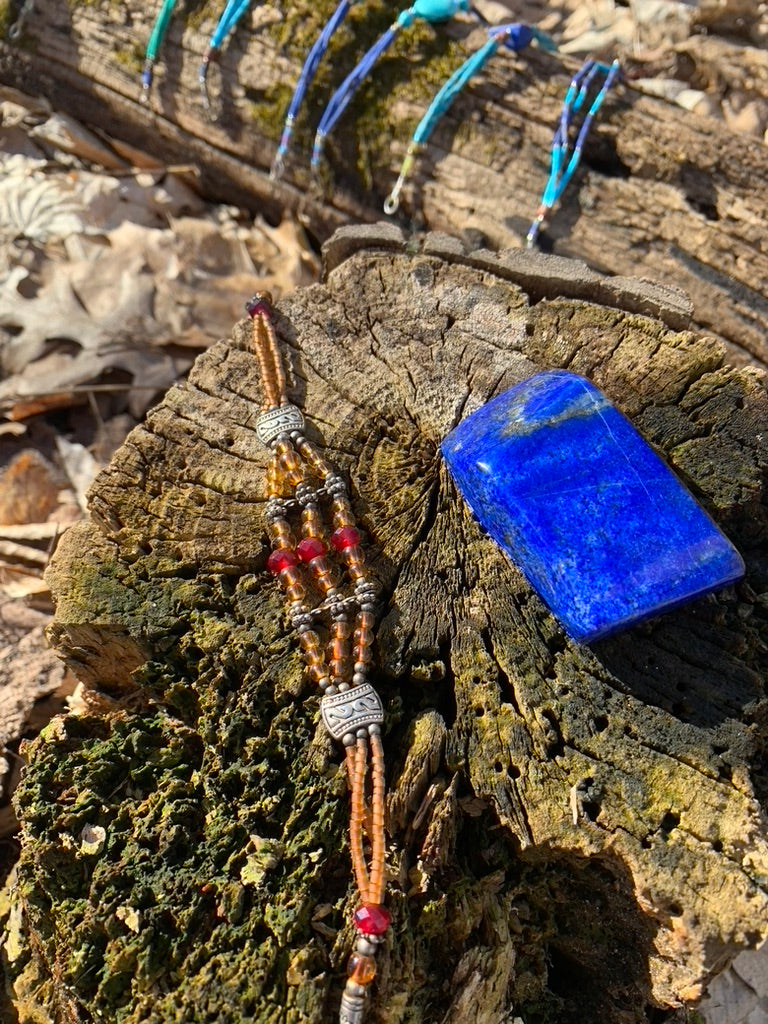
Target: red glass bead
(309, 548)
(257, 306)
(281, 558)
(371, 919)
(345, 537)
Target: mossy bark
(660, 193)
(576, 834)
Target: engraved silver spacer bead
(354, 710)
(276, 424)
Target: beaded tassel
(425, 10)
(515, 37)
(312, 564)
(565, 155)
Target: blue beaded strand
(311, 63)
(516, 37)
(425, 10)
(232, 13)
(156, 38)
(560, 172)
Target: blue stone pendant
(601, 527)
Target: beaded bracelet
(299, 481)
(153, 47)
(313, 58)
(232, 13)
(516, 37)
(560, 172)
(425, 10)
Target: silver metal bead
(304, 493)
(360, 667)
(355, 990)
(324, 683)
(349, 739)
(362, 733)
(275, 509)
(358, 679)
(332, 690)
(352, 1009)
(276, 424)
(357, 708)
(364, 947)
(374, 729)
(343, 687)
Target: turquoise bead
(602, 528)
(438, 10)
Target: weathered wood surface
(576, 833)
(663, 193)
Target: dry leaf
(29, 489)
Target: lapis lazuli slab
(603, 530)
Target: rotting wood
(590, 839)
(662, 194)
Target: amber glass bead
(355, 564)
(290, 574)
(363, 637)
(317, 672)
(361, 969)
(363, 654)
(336, 649)
(312, 658)
(281, 534)
(342, 629)
(309, 641)
(296, 592)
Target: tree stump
(576, 834)
(661, 192)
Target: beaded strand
(307, 560)
(560, 171)
(308, 70)
(156, 37)
(515, 37)
(232, 13)
(424, 10)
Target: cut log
(662, 193)
(576, 833)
